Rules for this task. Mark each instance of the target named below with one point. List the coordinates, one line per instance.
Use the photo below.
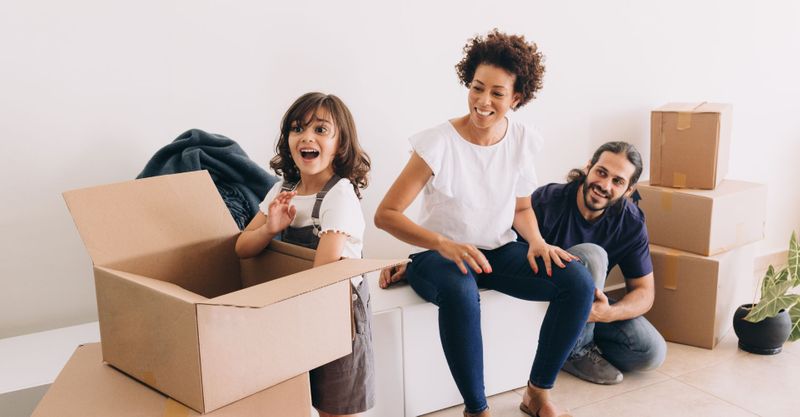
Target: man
(593, 217)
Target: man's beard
(592, 207)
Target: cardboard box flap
(701, 107)
(713, 108)
(302, 282)
(163, 287)
(724, 188)
(137, 218)
(679, 107)
(278, 260)
(292, 250)
(675, 252)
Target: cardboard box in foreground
(706, 222)
(87, 387)
(696, 296)
(177, 310)
(690, 144)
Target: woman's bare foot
(536, 403)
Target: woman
(465, 238)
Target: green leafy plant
(775, 288)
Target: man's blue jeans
(630, 345)
(570, 292)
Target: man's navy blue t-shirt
(620, 231)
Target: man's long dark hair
(618, 147)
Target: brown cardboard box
(706, 222)
(87, 387)
(176, 309)
(696, 296)
(689, 144)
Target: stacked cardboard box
(701, 226)
(179, 312)
(87, 387)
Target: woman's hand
(550, 254)
(281, 212)
(464, 255)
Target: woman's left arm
(526, 225)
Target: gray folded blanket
(242, 183)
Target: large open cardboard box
(706, 222)
(178, 312)
(87, 387)
(696, 296)
(690, 144)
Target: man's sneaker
(593, 367)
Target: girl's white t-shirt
(471, 197)
(340, 212)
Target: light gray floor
(692, 382)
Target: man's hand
(601, 309)
(391, 275)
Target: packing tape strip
(671, 270)
(173, 408)
(679, 180)
(684, 120)
(685, 117)
(666, 200)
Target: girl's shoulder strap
(321, 196)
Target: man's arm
(636, 302)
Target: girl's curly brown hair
(350, 161)
(509, 52)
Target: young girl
(317, 206)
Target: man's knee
(595, 258)
(650, 354)
(631, 345)
(656, 354)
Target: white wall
(90, 89)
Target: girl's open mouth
(309, 154)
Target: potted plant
(764, 327)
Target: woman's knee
(576, 280)
(442, 282)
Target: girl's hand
(550, 254)
(281, 212)
(463, 254)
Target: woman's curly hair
(510, 52)
(350, 161)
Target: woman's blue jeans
(438, 280)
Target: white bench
(412, 373)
